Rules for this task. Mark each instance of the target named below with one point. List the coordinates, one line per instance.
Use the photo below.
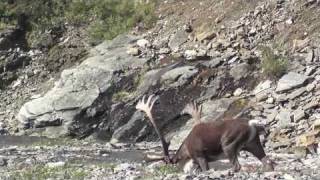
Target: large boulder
(79, 87)
(290, 81)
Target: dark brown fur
(207, 140)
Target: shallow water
(6, 141)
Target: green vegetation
(166, 169)
(273, 65)
(121, 96)
(44, 172)
(105, 18)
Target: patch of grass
(114, 17)
(166, 169)
(121, 96)
(106, 18)
(273, 65)
(45, 172)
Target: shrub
(106, 18)
(273, 65)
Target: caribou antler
(194, 111)
(147, 107)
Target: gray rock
(164, 51)
(56, 164)
(290, 81)
(284, 118)
(298, 115)
(239, 71)
(79, 88)
(262, 86)
(179, 76)
(297, 93)
(180, 37)
(3, 161)
(190, 54)
(215, 62)
(143, 43)
(310, 87)
(133, 51)
(310, 56)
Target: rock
(261, 96)
(3, 161)
(297, 93)
(124, 167)
(179, 38)
(205, 35)
(299, 44)
(306, 139)
(298, 115)
(310, 56)
(179, 76)
(310, 70)
(238, 92)
(133, 51)
(262, 86)
(290, 81)
(239, 71)
(284, 118)
(313, 103)
(310, 87)
(56, 164)
(270, 100)
(288, 177)
(213, 63)
(190, 54)
(79, 87)
(143, 43)
(164, 51)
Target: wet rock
(290, 81)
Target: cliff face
(226, 55)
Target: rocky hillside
(259, 56)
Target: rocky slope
(208, 51)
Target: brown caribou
(209, 140)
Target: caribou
(209, 140)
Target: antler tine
(147, 107)
(193, 109)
